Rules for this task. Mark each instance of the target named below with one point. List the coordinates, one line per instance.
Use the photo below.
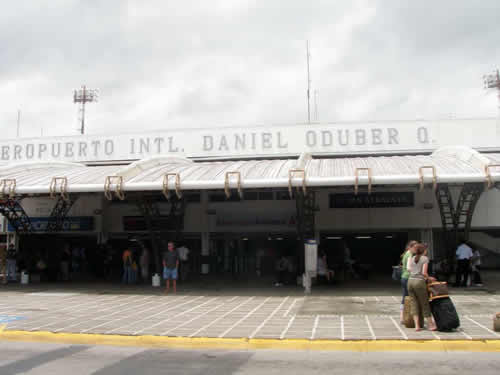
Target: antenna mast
(18, 121)
(316, 113)
(308, 86)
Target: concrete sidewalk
(190, 314)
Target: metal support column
(305, 203)
(60, 212)
(12, 210)
(459, 217)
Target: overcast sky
(170, 64)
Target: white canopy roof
(447, 165)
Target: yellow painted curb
(253, 344)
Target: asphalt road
(55, 359)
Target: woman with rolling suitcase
(405, 274)
(418, 265)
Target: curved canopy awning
(447, 165)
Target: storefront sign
(138, 223)
(75, 223)
(373, 200)
(328, 139)
(287, 220)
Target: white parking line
(122, 304)
(80, 319)
(480, 325)
(199, 316)
(290, 308)
(465, 334)
(117, 319)
(315, 327)
(342, 332)
(268, 318)
(86, 303)
(245, 317)
(164, 320)
(370, 327)
(399, 328)
(185, 312)
(133, 307)
(222, 317)
(51, 324)
(290, 322)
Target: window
(266, 196)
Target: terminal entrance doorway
(362, 256)
(251, 257)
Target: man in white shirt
(464, 255)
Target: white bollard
(156, 280)
(25, 278)
(205, 268)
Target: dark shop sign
(71, 224)
(138, 223)
(373, 200)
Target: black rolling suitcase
(445, 314)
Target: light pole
(82, 96)
(492, 81)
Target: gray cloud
(170, 64)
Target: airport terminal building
(239, 197)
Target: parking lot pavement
(225, 316)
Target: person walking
(3, 263)
(405, 274)
(476, 267)
(417, 266)
(144, 262)
(170, 267)
(127, 266)
(281, 270)
(11, 263)
(322, 268)
(464, 255)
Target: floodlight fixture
(82, 96)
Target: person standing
(127, 266)
(417, 266)
(405, 274)
(170, 267)
(144, 262)
(65, 262)
(476, 267)
(322, 268)
(183, 252)
(464, 254)
(3, 263)
(11, 263)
